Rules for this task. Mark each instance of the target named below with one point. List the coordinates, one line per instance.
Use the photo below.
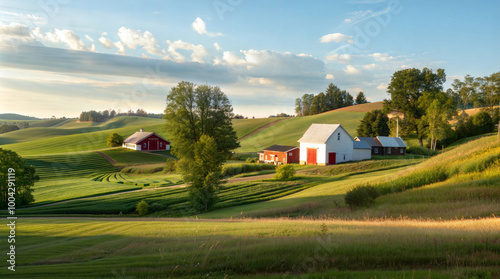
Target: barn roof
(361, 145)
(280, 148)
(391, 142)
(373, 142)
(139, 136)
(320, 133)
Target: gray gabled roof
(320, 133)
(361, 145)
(280, 148)
(373, 142)
(139, 136)
(391, 142)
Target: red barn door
(332, 158)
(312, 156)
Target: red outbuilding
(146, 141)
(280, 154)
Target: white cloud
(217, 47)
(68, 37)
(351, 70)
(120, 46)
(370, 66)
(230, 59)
(342, 58)
(198, 52)
(382, 86)
(105, 41)
(201, 28)
(89, 38)
(24, 17)
(330, 76)
(381, 56)
(336, 37)
(15, 33)
(260, 81)
(134, 38)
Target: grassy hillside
(15, 116)
(244, 127)
(128, 157)
(288, 131)
(46, 122)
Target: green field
(269, 248)
(435, 218)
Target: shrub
(142, 208)
(155, 207)
(361, 196)
(251, 160)
(114, 139)
(170, 165)
(284, 172)
(234, 169)
(417, 150)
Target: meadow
(266, 248)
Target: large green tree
(406, 88)
(25, 178)
(374, 123)
(193, 112)
(360, 98)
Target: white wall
(362, 154)
(320, 152)
(342, 147)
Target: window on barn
(338, 136)
(376, 151)
(161, 144)
(401, 150)
(389, 150)
(144, 144)
(290, 154)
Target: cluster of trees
(100, 116)
(374, 123)
(138, 112)
(198, 120)
(97, 116)
(13, 126)
(282, 114)
(333, 98)
(427, 109)
(476, 92)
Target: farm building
(384, 145)
(148, 141)
(361, 151)
(326, 144)
(279, 154)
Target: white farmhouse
(326, 144)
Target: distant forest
(101, 116)
(15, 116)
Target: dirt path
(166, 156)
(108, 158)
(260, 128)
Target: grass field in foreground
(274, 248)
(128, 157)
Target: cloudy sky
(61, 57)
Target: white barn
(326, 144)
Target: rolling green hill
(15, 116)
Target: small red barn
(280, 154)
(147, 141)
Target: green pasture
(244, 127)
(128, 157)
(269, 248)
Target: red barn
(148, 141)
(280, 154)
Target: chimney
(141, 130)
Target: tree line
(333, 98)
(100, 116)
(428, 109)
(13, 126)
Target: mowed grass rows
(269, 248)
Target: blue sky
(62, 57)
